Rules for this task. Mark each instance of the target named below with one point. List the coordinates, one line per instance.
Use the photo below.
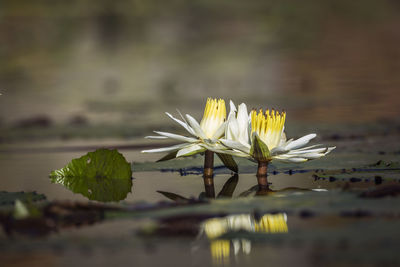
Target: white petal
(278, 150)
(243, 124)
(183, 124)
(218, 148)
(236, 145)
(300, 142)
(236, 153)
(165, 149)
(155, 137)
(178, 137)
(295, 160)
(282, 142)
(242, 117)
(196, 127)
(190, 150)
(307, 147)
(232, 129)
(315, 150)
(220, 131)
(312, 155)
(232, 108)
(330, 149)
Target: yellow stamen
(272, 223)
(220, 250)
(214, 116)
(268, 125)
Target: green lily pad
(103, 175)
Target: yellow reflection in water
(216, 227)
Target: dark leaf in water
(103, 175)
(384, 191)
(249, 191)
(228, 161)
(229, 187)
(173, 196)
(169, 156)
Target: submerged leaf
(259, 150)
(103, 175)
(228, 161)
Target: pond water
(329, 225)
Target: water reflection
(227, 190)
(217, 228)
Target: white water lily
(269, 128)
(203, 136)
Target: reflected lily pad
(103, 175)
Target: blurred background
(103, 68)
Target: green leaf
(103, 175)
(173, 196)
(259, 150)
(229, 187)
(228, 161)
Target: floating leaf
(103, 175)
(259, 150)
(228, 161)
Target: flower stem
(262, 176)
(208, 164)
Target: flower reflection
(215, 228)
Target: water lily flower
(203, 136)
(260, 137)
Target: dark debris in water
(383, 191)
(9, 198)
(54, 216)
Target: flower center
(268, 125)
(214, 116)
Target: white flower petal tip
(155, 137)
(232, 107)
(165, 149)
(177, 137)
(184, 124)
(300, 142)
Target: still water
(294, 226)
